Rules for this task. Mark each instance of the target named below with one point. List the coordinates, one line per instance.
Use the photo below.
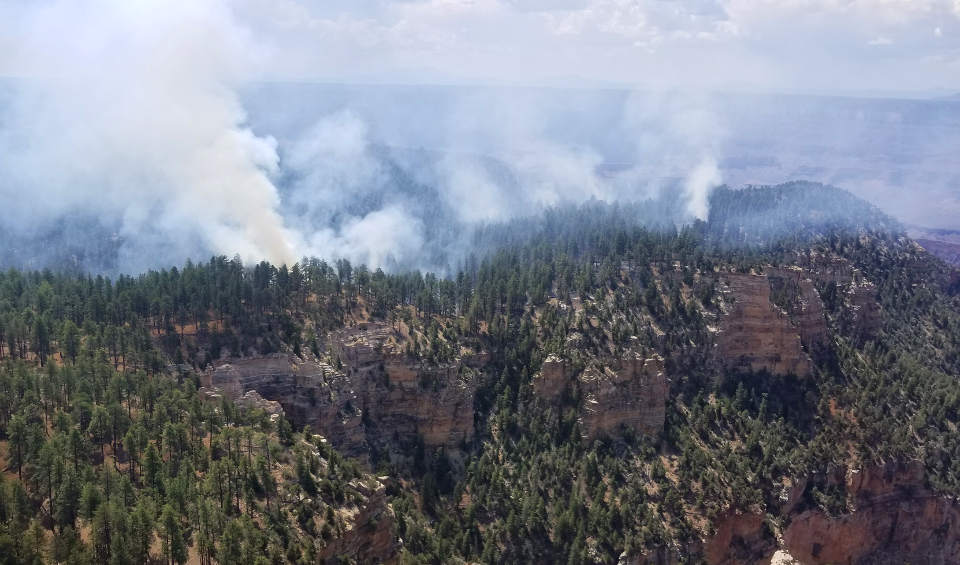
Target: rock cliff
(802, 304)
(310, 392)
(555, 377)
(892, 518)
(368, 395)
(895, 519)
(862, 309)
(370, 534)
(754, 334)
(630, 393)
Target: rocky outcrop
(310, 392)
(368, 395)
(404, 398)
(862, 315)
(863, 310)
(631, 395)
(739, 538)
(370, 534)
(803, 305)
(754, 334)
(252, 400)
(895, 519)
(554, 378)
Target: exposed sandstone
(631, 395)
(253, 400)
(896, 520)
(311, 393)
(863, 314)
(370, 535)
(863, 310)
(754, 334)
(893, 518)
(554, 377)
(740, 538)
(805, 306)
(372, 395)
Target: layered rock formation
(554, 378)
(311, 393)
(893, 518)
(406, 398)
(630, 394)
(805, 308)
(369, 395)
(739, 538)
(863, 311)
(896, 519)
(370, 535)
(754, 334)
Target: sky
(136, 114)
(822, 46)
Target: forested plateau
(778, 383)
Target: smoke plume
(129, 116)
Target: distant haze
(175, 130)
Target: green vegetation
(112, 456)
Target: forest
(110, 454)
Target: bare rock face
(252, 399)
(370, 535)
(405, 398)
(805, 305)
(896, 520)
(631, 395)
(756, 335)
(554, 377)
(739, 538)
(863, 309)
(309, 391)
(369, 396)
(434, 403)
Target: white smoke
(129, 112)
(130, 115)
(699, 184)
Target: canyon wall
(370, 534)
(895, 518)
(754, 334)
(630, 393)
(366, 395)
(892, 517)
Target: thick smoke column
(699, 184)
(129, 113)
(129, 117)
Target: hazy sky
(130, 112)
(839, 46)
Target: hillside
(596, 385)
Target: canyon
(891, 516)
(364, 396)
(628, 394)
